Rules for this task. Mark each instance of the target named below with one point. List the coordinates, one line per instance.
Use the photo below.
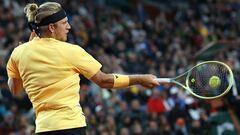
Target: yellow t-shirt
(50, 72)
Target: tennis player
(48, 69)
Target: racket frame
(188, 73)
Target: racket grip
(163, 80)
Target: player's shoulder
(18, 49)
(20, 46)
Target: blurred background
(161, 37)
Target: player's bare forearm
(103, 80)
(122, 81)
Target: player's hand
(149, 81)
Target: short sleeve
(12, 69)
(84, 62)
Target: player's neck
(47, 35)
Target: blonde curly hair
(36, 14)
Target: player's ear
(51, 27)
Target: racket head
(197, 80)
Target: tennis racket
(206, 80)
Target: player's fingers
(155, 82)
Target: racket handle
(163, 80)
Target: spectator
(156, 103)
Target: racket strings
(199, 79)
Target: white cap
(189, 100)
(174, 90)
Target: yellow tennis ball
(193, 80)
(214, 81)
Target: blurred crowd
(129, 42)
